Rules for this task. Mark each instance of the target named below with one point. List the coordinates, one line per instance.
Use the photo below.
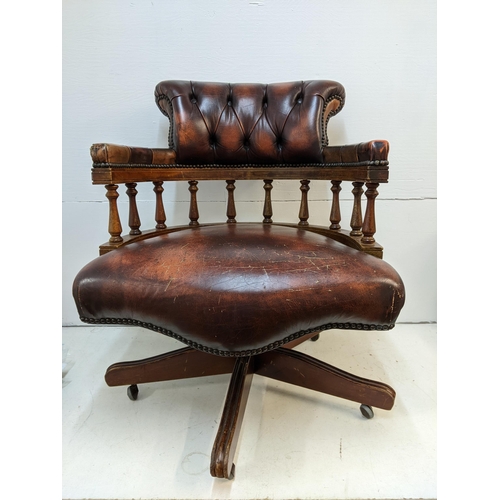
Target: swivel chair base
(282, 364)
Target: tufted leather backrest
(249, 123)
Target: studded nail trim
(219, 352)
(367, 163)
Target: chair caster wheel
(366, 411)
(132, 392)
(315, 338)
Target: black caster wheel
(132, 392)
(366, 411)
(315, 338)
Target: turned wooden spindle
(304, 209)
(193, 205)
(357, 215)
(335, 212)
(231, 208)
(134, 221)
(268, 208)
(160, 216)
(369, 226)
(114, 226)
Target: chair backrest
(222, 123)
(233, 132)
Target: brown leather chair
(242, 295)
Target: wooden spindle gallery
(361, 235)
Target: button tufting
(268, 111)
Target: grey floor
(293, 443)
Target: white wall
(383, 52)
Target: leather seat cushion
(239, 289)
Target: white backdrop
(384, 53)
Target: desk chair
(241, 296)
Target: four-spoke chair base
(282, 364)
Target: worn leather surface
(222, 123)
(355, 153)
(237, 124)
(239, 287)
(114, 153)
(105, 153)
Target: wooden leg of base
(305, 371)
(221, 464)
(179, 364)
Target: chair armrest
(372, 151)
(116, 154)
(115, 164)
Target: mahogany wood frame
(282, 363)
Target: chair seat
(239, 289)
